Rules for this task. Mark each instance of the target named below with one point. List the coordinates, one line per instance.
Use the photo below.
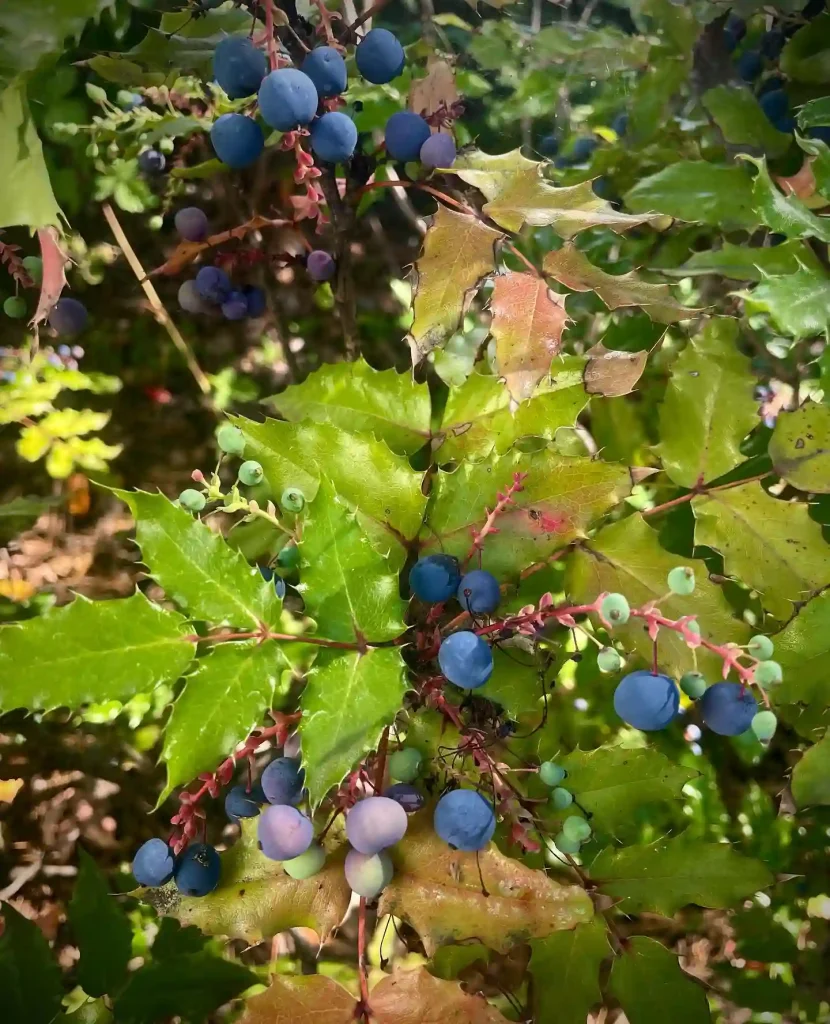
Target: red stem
(504, 502)
(269, 30)
(695, 492)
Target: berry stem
(369, 13)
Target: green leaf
(478, 417)
(374, 480)
(800, 447)
(188, 44)
(699, 192)
(561, 497)
(650, 985)
(784, 214)
(355, 397)
(811, 776)
(709, 406)
(626, 557)
(594, 51)
(225, 697)
(802, 649)
(349, 699)
(101, 929)
(671, 873)
(815, 112)
(665, 74)
(516, 682)
(772, 545)
(197, 569)
(749, 263)
(806, 57)
(613, 782)
(190, 987)
(565, 968)
(91, 651)
(798, 304)
(30, 978)
(31, 203)
(740, 118)
(346, 585)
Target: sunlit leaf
(650, 984)
(800, 447)
(802, 649)
(785, 214)
(811, 776)
(748, 263)
(699, 192)
(31, 203)
(798, 304)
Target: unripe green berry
(761, 647)
(565, 844)
(292, 500)
(561, 798)
(768, 673)
(192, 500)
(404, 764)
(289, 557)
(551, 773)
(230, 439)
(576, 828)
(763, 725)
(307, 864)
(250, 473)
(15, 307)
(693, 685)
(681, 580)
(614, 610)
(34, 266)
(166, 145)
(609, 660)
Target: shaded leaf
(528, 321)
(611, 373)
(740, 118)
(626, 557)
(811, 776)
(671, 873)
(595, 51)
(91, 651)
(798, 304)
(699, 192)
(355, 397)
(806, 57)
(650, 985)
(815, 112)
(101, 930)
(516, 682)
(288, 1000)
(348, 700)
(30, 978)
(458, 252)
(613, 782)
(438, 891)
(709, 406)
(816, 170)
(572, 268)
(785, 214)
(565, 968)
(748, 263)
(178, 44)
(802, 649)
(31, 203)
(772, 545)
(561, 496)
(800, 447)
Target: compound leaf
(565, 968)
(101, 930)
(650, 985)
(800, 447)
(30, 978)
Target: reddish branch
(269, 29)
(14, 264)
(696, 491)
(504, 501)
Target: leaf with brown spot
(611, 373)
(458, 252)
(437, 890)
(416, 997)
(572, 268)
(436, 92)
(528, 321)
(800, 447)
(312, 997)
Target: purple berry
(68, 316)
(192, 224)
(235, 306)
(438, 151)
(405, 794)
(283, 832)
(282, 781)
(375, 823)
(190, 300)
(213, 284)
(320, 265)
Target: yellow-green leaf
(811, 776)
(800, 447)
(30, 201)
(802, 649)
(785, 214)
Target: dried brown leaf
(435, 92)
(416, 997)
(313, 997)
(611, 373)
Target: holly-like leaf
(478, 417)
(565, 968)
(806, 57)
(101, 929)
(438, 891)
(561, 496)
(613, 782)
(802, 649)
(816, 170)
(699, 192)
(650, 985)
(798, 304)
(31, 203)
(30, 978)
(459, 250)
(528, 321)
(91, 651)
(179, 44)
(572, 268)
(197, 569)
(671, 873)
(814, 113)
(800, 447)
(256, 899)
(772, 545)
(626, 557)
(348, 700)
(515, 683)
(366, 472)
(353, 396)
(709, 406)
(740, 118)
(748, 263)
(811, 776)
(225, 697)
(288, 1000)
(347, 586)
(611, 373)
(785, 214)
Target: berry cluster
(67, 316)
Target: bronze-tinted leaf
(291, 1000)
(416, 997)
(611, 373)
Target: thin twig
(361, 958)
(698, 491)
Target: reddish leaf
(415, 997)
(436, 92)
(289, 1000)
(54, 274)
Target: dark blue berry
(646, 700)
(235, 306)
(728, 708)
(213, 284)
(405, 794)
(237, 140)
(405, 133)
(197, 871)
(241, 803)
(750, 65)
(153, 863)
(239, 67)
(333, 137)
(255, 298)
(478, 592)
(434, 578)
(282, 781)
(68, 316)
(466, 660)
(287, 99)
(379, 56)
(327, 69)
(192, 224)
(151, 161)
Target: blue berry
(620, 124)
(465, 820)
(68, 316)
(282, 781)
(772, 43)
(241, 803)
(820, 132)
(750, 65)
(466, 660)
(153, 863)
(438, 151)
(279, 583)
(333, 137)
(287, 99)
(379, 56)
(728, 708)
(190, 300)
(237, 140)
(405, 133)
(327, 69)
(192, 224)
(238, 66)
(375, 823)
(198, 870)
(283, 832)
(320, 265)
(213, 284)
(775, 105)
(434, 578)
(151, 161)
(478, 592)
(583, 150)
(405, 794)
(646, 701)
(235, 306)
(255, 299)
